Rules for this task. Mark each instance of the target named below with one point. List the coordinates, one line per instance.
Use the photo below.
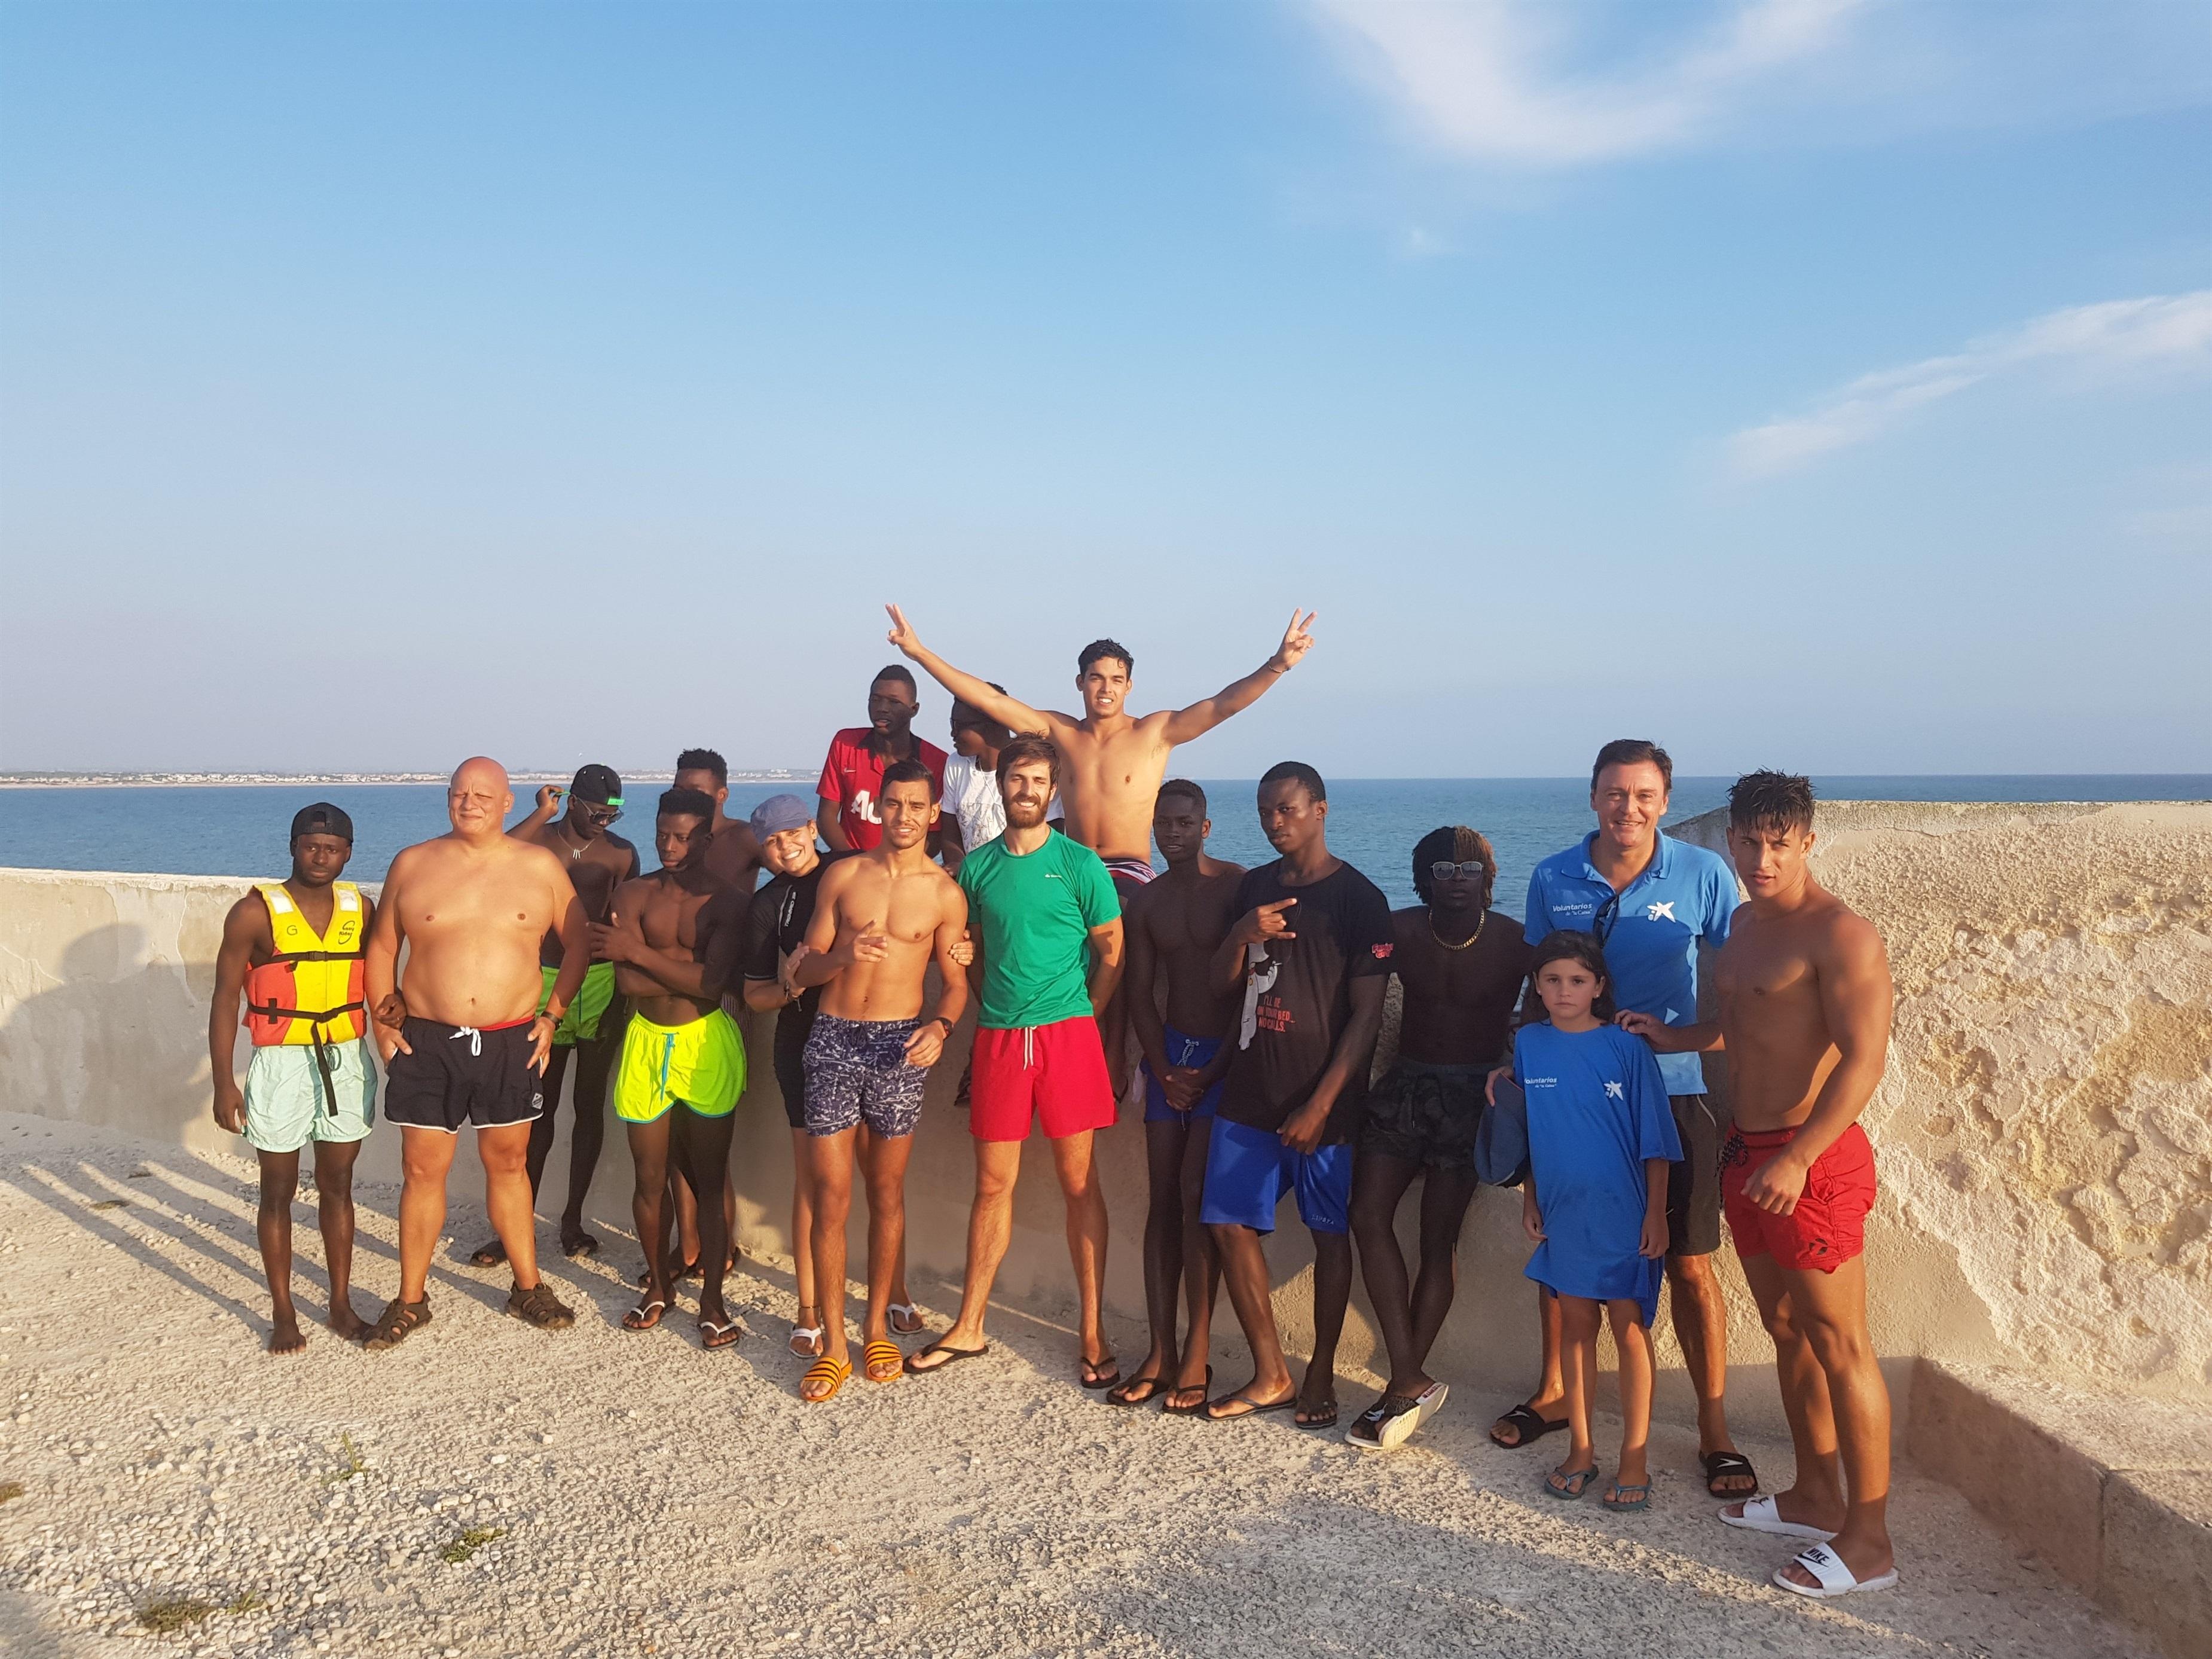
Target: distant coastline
(294, 779)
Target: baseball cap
(322, 819)
(596, 784)
(778, 813)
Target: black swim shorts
(1693, 1185)
(452, 1075)
(1425, 1115)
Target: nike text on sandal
(1759, 1515)
(952, 1357)
(399, 1322)
(1836, 1579)
(538, 1306)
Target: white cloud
(1479, 77)
(1538, 84)
(2115, 336)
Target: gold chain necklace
(1464, 943)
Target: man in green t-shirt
(1048, 956)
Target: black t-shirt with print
(1297, 999)
(776, 926)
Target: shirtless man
(880, 917)
(598, 860)
(1805, 995)
(674, 938)
(1111, 761)
(1460, 964)
(312, 1077)
(734, 852)
(471, 907)
(734, 855)
(1175, 925)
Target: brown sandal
(538, 1306)
(399, 1322)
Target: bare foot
(286, 1338)
(344, 1321)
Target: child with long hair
(1601, 1136)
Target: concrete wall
(2046, 1144)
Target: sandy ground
(650, 1499)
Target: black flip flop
(1199, 1410)
(1258, 1410)
(1319, 1423)
(953, 1357)
(1532, 1427)
(1112, 1379)
(1156, 1385)
(1720, 1463)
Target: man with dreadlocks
(1460, 966)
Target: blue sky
(1823, 383)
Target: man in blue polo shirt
(1651, 900)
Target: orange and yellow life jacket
(314, 991)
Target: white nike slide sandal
(1836, 1579)
(1759, 1515)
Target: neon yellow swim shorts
(580, 1023)
(702, 1064)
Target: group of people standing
(1256, 999)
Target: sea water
(1373, 822)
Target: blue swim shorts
(1188, 1051)
(1248, 1171)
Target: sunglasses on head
(1472, 870)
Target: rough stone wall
(2044, 1130)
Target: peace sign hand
(902, 634)
(1297, 640)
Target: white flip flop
(1836, 1579)
(1397, 1430)
(911, 1312)
(812, 1336)
(1759, 1515)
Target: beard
(1026, 814)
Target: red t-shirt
(853, 776)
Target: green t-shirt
(1035, 913)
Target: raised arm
(1207, 713)
(1254, 927)
(232, 960)
(1009, 712)
(549, 801)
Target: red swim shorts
(1827, 1227)
(1057, 1072)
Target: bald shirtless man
(1805, 993)
(1111, 761)
(598, 860)
(472, 1038)
(880, 918)
(1174, 927)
